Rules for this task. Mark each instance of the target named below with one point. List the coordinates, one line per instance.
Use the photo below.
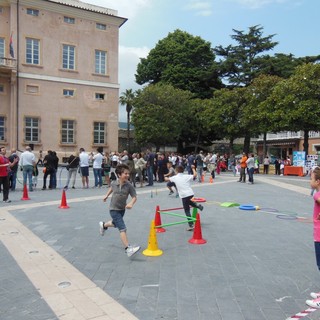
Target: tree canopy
(182, 60)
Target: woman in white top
(97, 167)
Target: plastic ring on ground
(248, 207)
(269, 210)
(198, 199)
(286, 217)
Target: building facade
(59, 85)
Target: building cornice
(76, 9)
(69, 81)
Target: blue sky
(295, 24)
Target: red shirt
(3, 170)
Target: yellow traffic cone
(152, 250)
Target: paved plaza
(256, 265)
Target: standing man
(150, 164)
(243, 167)
(250, 166)
(27, 162)
(199, 165)
(14, 169)
(4, 170)
(84, 168)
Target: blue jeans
(250, 173)
(27, 174)
(150, 175)
(97, 172)
(13, 180)
(199, 173)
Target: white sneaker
(102, 229)
(314, 303)
(131, 250)
(315, 295)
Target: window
(67, 131)
(31, 129)
(101, 26)
(68, 92)
(32, 51)
(2, 128)
(1, 88)
(33, 12)
(2, 48)
(98, 132)
(68, 57)
(100, 62)
(33, 89)
(99, 96)
(1, 9)
(69, 20)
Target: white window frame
(69, 20)
(68, 93)
(33, 51)
(100, 96)
(100, 62)
(101, 26)
(32, 130)
(32, 12)
(99, 132)
(67, 131)
(68, 57)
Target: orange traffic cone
(197, 234)
(157, 221)
(202, 178)
(210, 179)
(152, 250)
(25, 193)
(63, 204)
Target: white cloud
(126, 8)
(255, 4)
(129, 57)
(200, 8)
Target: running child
(120, 190)
(171, 173)
(315, 184)
(183, 184)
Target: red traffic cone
(25, 193)
(157, 221)
(197, 234)
(63, 204)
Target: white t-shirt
(84, 159)
(183, 184)
(97, 161)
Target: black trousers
(4, 181)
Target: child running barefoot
(120, 190)
(183, 184)
(315, 184)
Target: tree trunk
(128, 132)
(231, 145)
(306, 142)
(264, 144)
(246, 144)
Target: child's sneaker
(314, 303)
(200, 207)
(315, 295)
(190, 228)
(170, 193)
(102, 228)
(131, 250)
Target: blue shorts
(85, 171)
(117, 219)
(317, 251)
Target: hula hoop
(288, 213)
(269, 210)
(198, 199)
(286, 217)
(247, 207)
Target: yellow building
(59, 85)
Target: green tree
(127, 99)
(182, 60)
(241, 63)
(297, 101)
(159, 114)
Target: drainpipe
(17, 81)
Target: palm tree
(126, 99)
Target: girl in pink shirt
(315, 184)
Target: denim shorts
(317, 251)
(85, 171)
(117, 219)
